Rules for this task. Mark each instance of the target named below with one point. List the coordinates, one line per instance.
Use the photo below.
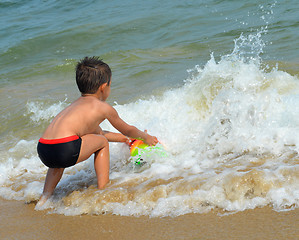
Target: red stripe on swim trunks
(58, 140)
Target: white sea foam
(40, 111)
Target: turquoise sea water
(229, 67)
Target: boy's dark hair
(91, 73)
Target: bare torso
(82, 117)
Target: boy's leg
(91, 143)
(97, 144)
(52, 179)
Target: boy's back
(82, 117)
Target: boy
(74, 134)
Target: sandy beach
(21, 221)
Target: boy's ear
(103, 86)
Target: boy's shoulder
(91, 104)
(100, 105)
(91, 101)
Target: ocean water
(215, 81)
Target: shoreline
(21, 221)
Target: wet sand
(21, 221)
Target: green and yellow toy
(139, 149)
(135, 145)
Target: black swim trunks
(59, 153)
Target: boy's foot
(42, 201)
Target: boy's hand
(130, 141)
(150, 140)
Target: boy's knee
(104, 141)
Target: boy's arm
(115, 137)
(126, 129)
(111, 136)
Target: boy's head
(91, 73)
